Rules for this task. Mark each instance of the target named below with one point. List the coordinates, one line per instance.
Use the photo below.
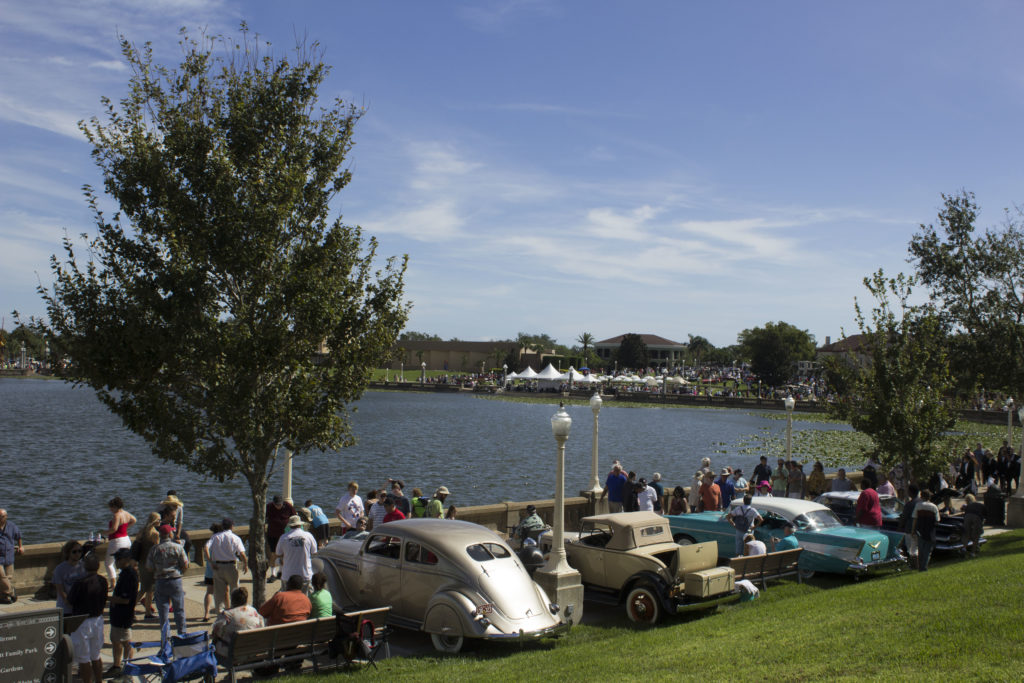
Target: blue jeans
(739, 542)
(170, 592)
(924, 551)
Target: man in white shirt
(296, 550)
(349, 508)
(225, 548)
(645, 496)
(925, 518)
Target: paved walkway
(402, 642)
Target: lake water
(65, 455)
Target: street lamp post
(790, 404)
(504, 375)
(402, 366)
(560, 581)
(1009, 421)
(1015, 505)
(423, 372)
(595, 406)
(287, 484)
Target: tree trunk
(258, 540)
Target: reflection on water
(65, 455)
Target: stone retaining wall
(33, 568)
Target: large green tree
(197, 315)
(632, 352)
(774, 350)
(897, 394)
(977, 281)
(698, 347)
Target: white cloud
(109, 65)
(610, 224)
(431, 222)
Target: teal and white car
(828, 545)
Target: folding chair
(361, 637)
(178, 658)
(372, 640)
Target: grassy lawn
(961, 620)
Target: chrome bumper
(863, 568)
(682, 607)
(522, 636)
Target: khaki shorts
(120, 635)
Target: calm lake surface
(65, 455)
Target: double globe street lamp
(560, 581)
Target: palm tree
(586, 340)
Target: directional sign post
(30, 649)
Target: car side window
(414, 552)
(386, 546)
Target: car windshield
(892, 506)
(482, 552)
(817, 519)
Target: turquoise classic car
(828, 545)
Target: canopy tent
(528, 373)
(572, 375)
(549, 373)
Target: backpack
(419, 506)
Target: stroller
(178, 658)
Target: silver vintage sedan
(451, 579)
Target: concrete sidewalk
(402, 642)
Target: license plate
(485, 609)
(876, 555)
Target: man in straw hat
(435, 508)
(296, 550)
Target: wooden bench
(275, 645)
(765, 567)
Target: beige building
(456, 356)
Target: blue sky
(671, 168)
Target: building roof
(855, 342)
(649, 340)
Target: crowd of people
(147, 569)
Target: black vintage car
(948, 532)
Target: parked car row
(457, 580)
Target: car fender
(449, 614)
(649, 578)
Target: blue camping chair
(178, 658)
